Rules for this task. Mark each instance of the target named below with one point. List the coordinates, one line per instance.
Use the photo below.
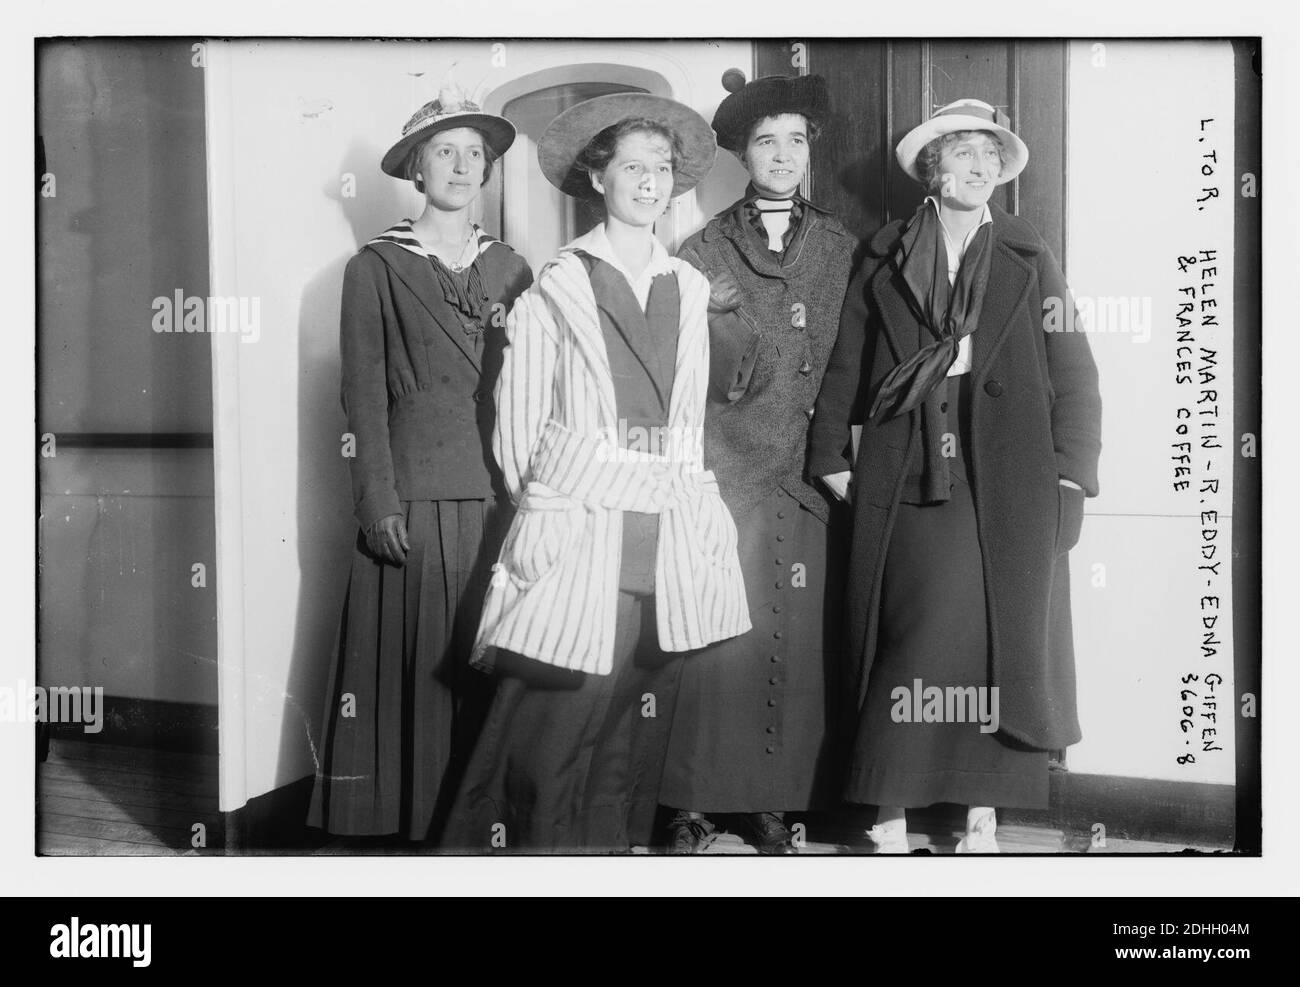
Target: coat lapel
(690, 376)
(566, 284)
(1009, 281)
(902, 331)
(415, 274)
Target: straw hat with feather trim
(450, 110)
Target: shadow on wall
(327, 528)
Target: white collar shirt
(596, 243)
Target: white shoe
(889, 839)
(981, 839)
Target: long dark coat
(1035, 418)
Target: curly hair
(415, 159)
(928, 158)
(600, 150)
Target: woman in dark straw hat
(981, 441)
(622, 554)
(750, 734)
(422, 333)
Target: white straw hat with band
(965, 114)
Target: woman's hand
(841, 485)
(386, 539)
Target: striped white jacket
(554, 590)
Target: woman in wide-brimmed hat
(422, 332)
(981, 441)
(622, 554)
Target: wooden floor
(101, 800)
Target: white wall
(288, 123)
(1135, 111)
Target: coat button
(771, 749)
(780, 537)
(771, 702)
(774, 680)
(780, 584)
(777, 635)
(480, 396)
(771, 729)
(805, 368)
(809, 413)
(776, 609)
(944, 406)
(780, 515)
(775, 658)
(993, 388)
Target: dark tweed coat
(1035, 418)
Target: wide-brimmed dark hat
(770, 96)
(450, 110)
(571, 131)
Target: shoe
(889, 839)
(690, 834)
(981, 839)
(769, 833)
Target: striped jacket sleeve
(525, 387)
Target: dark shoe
(769, 833)
(690, 834)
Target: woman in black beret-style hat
(750, 734)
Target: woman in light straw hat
(422, 332)
(622, 554)
(981, 441)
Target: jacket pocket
(546, 527)
(1069, 518)
(713, 529)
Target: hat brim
(498, 132)
(572, 130)
(1015, 155)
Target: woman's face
(638, 183)
(452, 168)
(776, 156)
(969, 171)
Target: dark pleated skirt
(751, 729)
(934, 628)
(568, 761)
(404, 705)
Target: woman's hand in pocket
(387, 540)
(1069, 522)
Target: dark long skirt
(569, 761)
(751, 729)
(403, 704)
(934, 630)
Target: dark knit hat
(769, 96)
